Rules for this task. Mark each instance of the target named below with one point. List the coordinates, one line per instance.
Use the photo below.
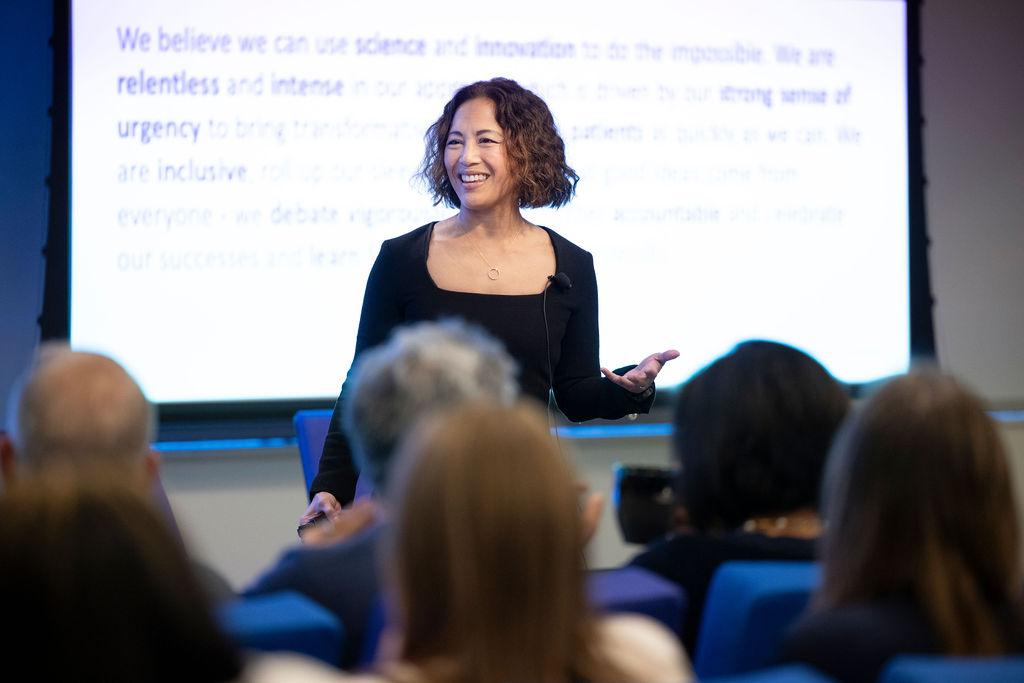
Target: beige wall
(238, 509)
(1013, 435)
(973, 106)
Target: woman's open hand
(642, 376)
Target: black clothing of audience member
(340, 576)
(922, 552)
(854, 642)
(751, 434)
(691, 560)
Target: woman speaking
(494, 151)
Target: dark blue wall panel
(26, 66)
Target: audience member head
(919, 506)
(486, 556)
(752, 431)
(95, 588)
(82, 410)
(420, 369)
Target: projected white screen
(236, 165)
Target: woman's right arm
(381, 313)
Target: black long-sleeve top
(400, 290)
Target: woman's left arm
(581, 392)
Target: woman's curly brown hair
(536, 153)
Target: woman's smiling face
(476, 160)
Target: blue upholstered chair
(631, 589)
(936, 669)
(375, 625)
(794, 673)
(284, 621)
(310, 432)
(749, 607)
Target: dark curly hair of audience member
(752, 431)
(95, 588)
(919, 505)
(535, 151)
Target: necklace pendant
(493, 274)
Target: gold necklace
(492, 272)
(801, 524)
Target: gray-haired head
(78, 409)
(419, 370)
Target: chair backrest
(310, 431)
(632, 589)
(749, 607)
(311, 427)
(792, 673)
(933, 669)
(284, 621)
(376, 623)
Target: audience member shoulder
(865, 621)
(396, 672)
(700, 547)
(853, 642)
(285, 668)
(644, 649)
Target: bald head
(80, 409)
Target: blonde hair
(487, 552)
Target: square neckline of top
(430, 278)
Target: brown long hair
(95, 587)
(919, 506)
(487, 552)
(536, 153)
